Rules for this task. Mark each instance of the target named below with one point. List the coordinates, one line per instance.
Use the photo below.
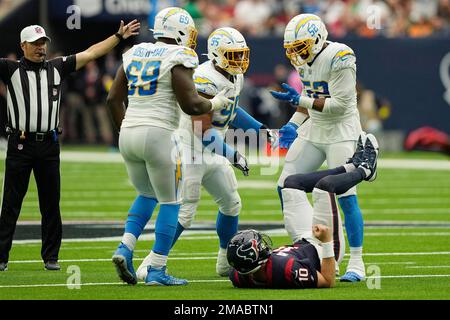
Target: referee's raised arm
(33, 97)
(100, 49)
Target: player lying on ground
(317, 232)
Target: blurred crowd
(363, 18)
(373, 108)
(84, 117)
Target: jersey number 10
(142, 76)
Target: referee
(33, 96)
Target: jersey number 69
(142, 76)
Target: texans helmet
(248, 250)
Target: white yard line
(427, 267)
(211, 235)
(198, 281)
(105, 157)
(213, 256)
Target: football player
(310, 261)
(327, 120)
(156, 80)
(208, 158)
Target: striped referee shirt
(34, 92)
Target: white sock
(222, 251)
(355, 253)
(129, 240)
(356, 262)
(157, 260)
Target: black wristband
(118, 35)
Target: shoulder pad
(186, 57)
(205, 85)
(343, 58)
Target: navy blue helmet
(248, 250)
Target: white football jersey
(331, 127)
(210, 82)
(151, 99)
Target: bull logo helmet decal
(251, 253)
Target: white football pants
(153, 159)
(216, 175)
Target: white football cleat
(355, 271)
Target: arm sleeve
(65, 65)
(342, 87)
(245, 121)
(213, 141)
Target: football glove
(220, 101)
(272, 137)
(240, 163)
(288, 133)
(291, 96)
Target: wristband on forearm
(327, 250)
(298, 118)
(119, 36)
(306, 102)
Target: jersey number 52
(142, 76)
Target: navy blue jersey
(288, 267)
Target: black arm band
(118, 35)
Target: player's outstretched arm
(243, 120)
(327, 275)
(186, 93)
(117, 96)
(342, 90)
(100, 49)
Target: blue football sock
(140, 212)
(165, 228)
(354, 224)
(227, 227)
(178, 232)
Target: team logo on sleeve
(250, 253)
(189, 52)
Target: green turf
(101, 191)
(182, 264)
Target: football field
(406, 245)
